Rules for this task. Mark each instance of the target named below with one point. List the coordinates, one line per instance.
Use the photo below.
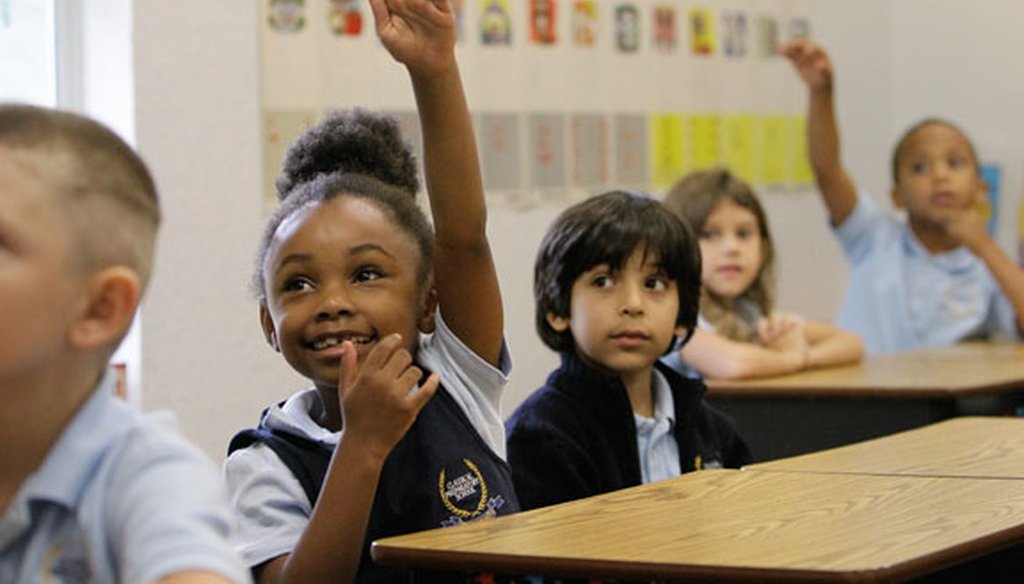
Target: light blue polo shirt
(120, 497)
(901, 296)
(655, 440)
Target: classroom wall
(198, 118)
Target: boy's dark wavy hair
(607, 229)
(352, 153)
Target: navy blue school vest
(440, 473)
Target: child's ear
(112, 296)
(426, 324)
(559, 323)
(681, 332)
(267, 323)
(897, 198)
(981, 193)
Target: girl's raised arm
(421, 35)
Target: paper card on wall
(280, 128)
(774, 149)
(345, 17)
(705, 132)
(668, 160)
(499, 151)
(631, 150)
(664, 28)
(495, 23)
(992, 175)
(588, 150)
(734, 34)
(803, 174)
(767, 36)
(702, 31)
(547, 151)
(584, 23)
(799, 29)
(543, 22)
(459, 6)
(627, 28)
(738, 146)
(286, 16)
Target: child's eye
(957, 162)
(708, 234)
(657, 283)
(746, 233)
(601, 281)
(366, 275)
(296, 284)
(918, 167)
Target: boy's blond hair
(107, 195)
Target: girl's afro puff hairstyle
(352, 142)
(350, 153)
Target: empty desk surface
(958, 371)
(982, 447)
(813, 410)
(737, 526)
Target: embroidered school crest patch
(464, 493)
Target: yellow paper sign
(667, 150)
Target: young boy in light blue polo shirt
(936, 278)
(90, 490)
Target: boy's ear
(681, 332)
(981, 194)
(426, 324)
(267, 324)
(112, 296)
(897, 198)
(559, 323)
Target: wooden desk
(979, 447)
(813, 410)
(739, 526)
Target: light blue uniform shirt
(118, 498)
(900, 296)
(655, 440)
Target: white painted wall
(198, 112)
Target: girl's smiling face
(731, 249)
(341, 270)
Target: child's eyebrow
(294, 258)
(367, 248)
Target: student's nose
(631, 301)
(335, 301)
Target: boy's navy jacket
(440, 473)
(576, 436)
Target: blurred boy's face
(624, 320)
(937, 175)
(340, 270)
(40, 287)
(731, 251)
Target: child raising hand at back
(740, 335)
(361, 298)
(936, 278)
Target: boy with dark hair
(934, 278)
(90, 490)
(617, 283)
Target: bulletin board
(569, 97)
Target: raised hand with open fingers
(418, 33)
(811, 62)
(380, 398)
